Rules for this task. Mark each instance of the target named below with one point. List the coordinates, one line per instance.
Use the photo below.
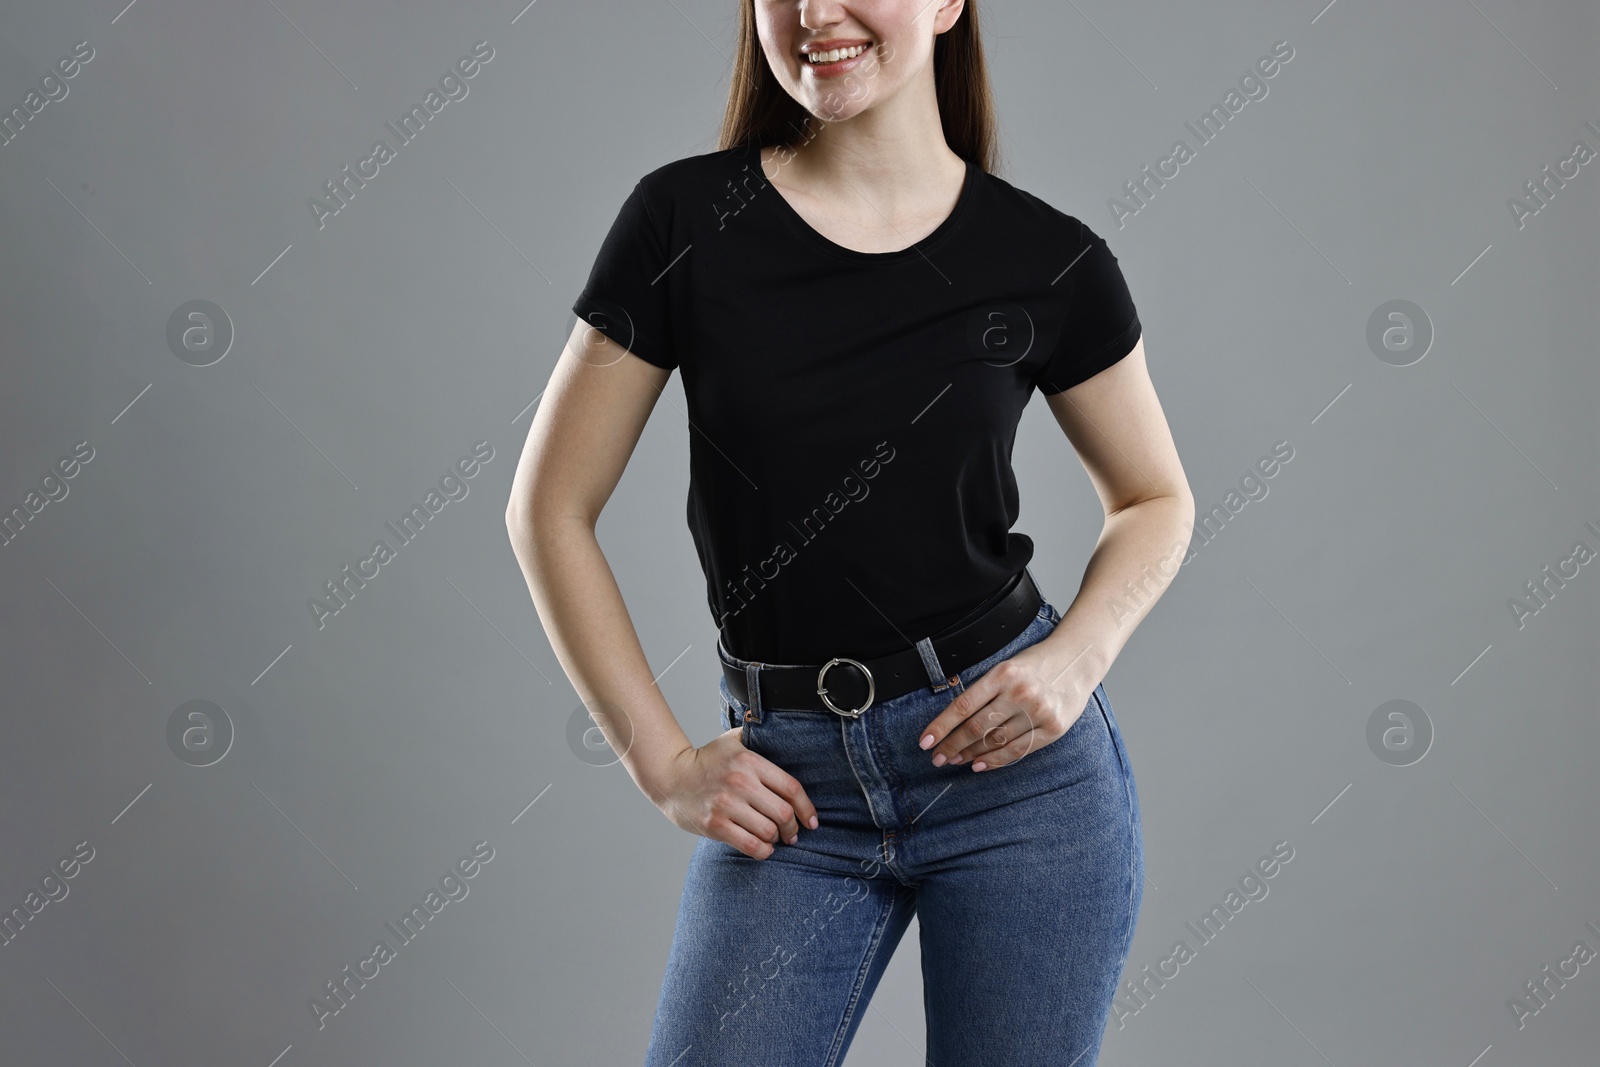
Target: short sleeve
(625, 297)
(1101, 324)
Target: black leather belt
(848, 686)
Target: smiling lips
(836, 58)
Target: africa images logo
(340, 991)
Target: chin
(850, 110)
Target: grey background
(371, 754)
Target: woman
(861, 310)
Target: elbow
(517, 518)
(529, 497)
(1185, 504)
(517, 513)
(521, 525)
(1183, 512)
(531, 521)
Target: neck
(893, 151)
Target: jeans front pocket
(1041, 627)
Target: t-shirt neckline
(951, 221)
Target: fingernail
(927, 742)
(957, 758)
(793, 839)
(813, 822)
(980, 765)
(938, 760)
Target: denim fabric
(1025, 880)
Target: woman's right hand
(724, 791)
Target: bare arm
(584, 431)
(1115, 422)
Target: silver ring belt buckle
(822, 689)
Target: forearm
(1139, 552)
(583, 614)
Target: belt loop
(930, 663)
(752, 684)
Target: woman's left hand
(1020, 704)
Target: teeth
(835, 55)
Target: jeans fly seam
(866, 793)
(896, 784)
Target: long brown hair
(760, 112)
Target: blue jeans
(1026, 881)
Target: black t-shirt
(852, 414)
